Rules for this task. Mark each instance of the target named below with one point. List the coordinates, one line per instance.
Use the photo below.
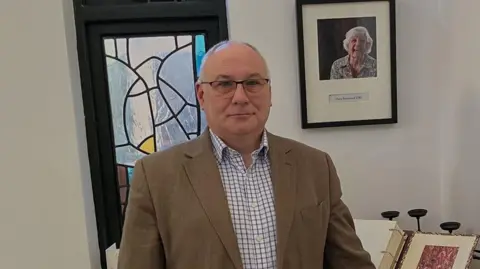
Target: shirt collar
(221, 150)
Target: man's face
(241, 109)
(357, 45)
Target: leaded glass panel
(152, 96)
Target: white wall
(461, 124)
(45, 199)
(46, 211)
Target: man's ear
(199, 93)
(270, 89)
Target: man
(238, 196)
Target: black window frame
(105, 189)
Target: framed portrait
(437, 250)
(347, 62)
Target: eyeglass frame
(267, 81)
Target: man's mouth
(240, 114)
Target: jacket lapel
(284, 189)
(204, 176)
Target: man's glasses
(228, 87)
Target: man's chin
(242, 130)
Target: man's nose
(240, 96)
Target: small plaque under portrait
(348, 97)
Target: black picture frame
(325, 99)
(95, 19)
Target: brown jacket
(178, 218)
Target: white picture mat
(378, 104)
(419, 241)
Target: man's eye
(252, 82)
(225, 83)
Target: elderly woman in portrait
(358, 63)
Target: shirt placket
(245, 235)
(251, 229)
(257, 233)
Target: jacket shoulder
(301, 148)
(170, 156)
(308, 156)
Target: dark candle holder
(418, 213)
(450, 226)
(390, 215)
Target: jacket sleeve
(343, 248)
(141, 245)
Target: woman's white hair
(358, 31)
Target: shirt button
(253, 204)
(259, 238)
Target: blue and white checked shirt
(251, 202)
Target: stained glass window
(152, 96)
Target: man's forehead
(229, 57)
(224, 70)
(252, 75)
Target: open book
(383, 239)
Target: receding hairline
(224, 44)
